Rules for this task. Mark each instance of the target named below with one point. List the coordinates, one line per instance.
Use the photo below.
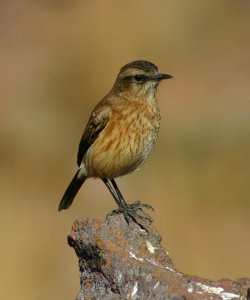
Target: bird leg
(130, 211)
(135, 209)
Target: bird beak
(163, 76)
(160, 77)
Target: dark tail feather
(71, 192)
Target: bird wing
(97, 122)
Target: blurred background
(57, 59)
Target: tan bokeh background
(58, 58)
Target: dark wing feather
(96, 124)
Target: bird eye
(139, 78)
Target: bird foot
(134, 212)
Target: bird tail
(71, 192)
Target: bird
(120, 134)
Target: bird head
(139, 78)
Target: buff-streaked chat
(120, 134)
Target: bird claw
(140, 205)
(134, 212)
